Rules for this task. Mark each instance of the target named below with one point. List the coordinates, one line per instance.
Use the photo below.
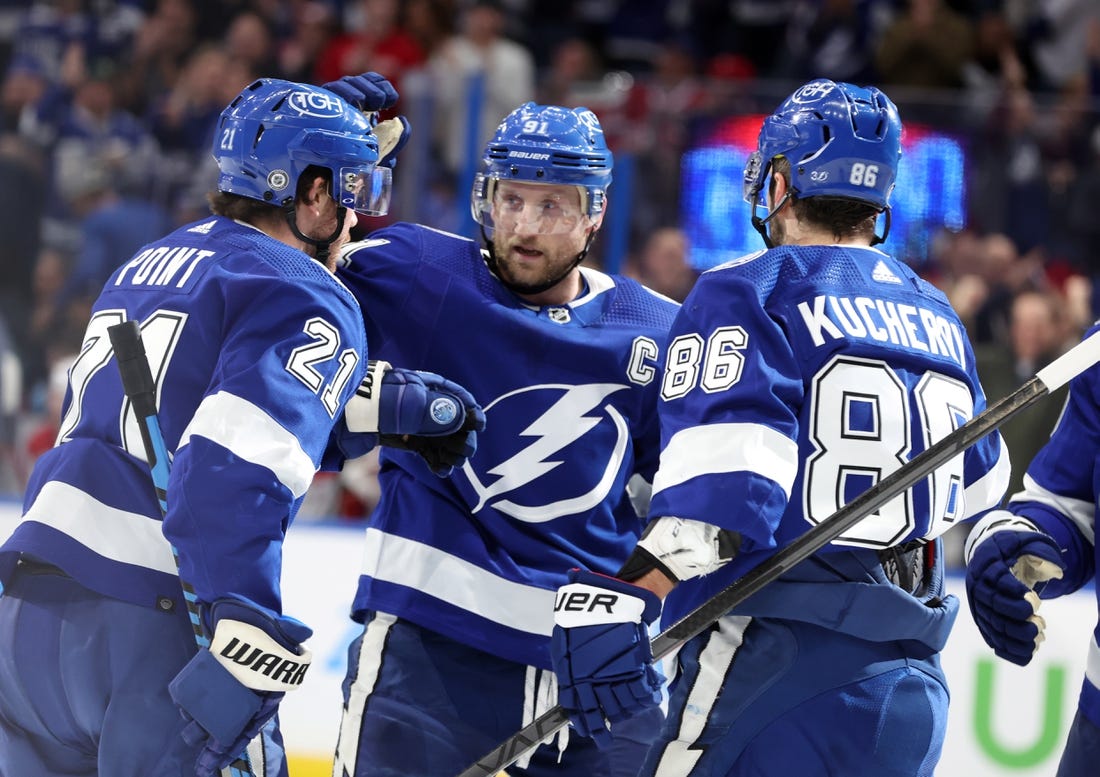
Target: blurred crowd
(107, 110)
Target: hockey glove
(1006, 559)
(600, 652)
(228, 692)
(371, 93)
(417, 411)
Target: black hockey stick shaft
(1061, 371)
(140, 388)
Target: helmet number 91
(534, 127)
(863, 175)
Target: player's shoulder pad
(631, 302)
(761, 271)
(740, 260)
(406, 240)
(258, 252)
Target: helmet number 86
(863, 175)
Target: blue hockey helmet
(274, 129)
(546, 144)
(841, 140)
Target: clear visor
(534, 208)
(366, 190)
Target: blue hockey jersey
(570, 396)
(255, 348)
(799, 377)
(1061, 496)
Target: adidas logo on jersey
(884, 274)
(203, 229)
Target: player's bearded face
(538, 231)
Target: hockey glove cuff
(392, 400)
(600, 652)
(417, 411)
(1008, 560)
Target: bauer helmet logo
(316, 104)
(444, 411)
(812, 92)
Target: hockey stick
(1059, 372)
(139, 388)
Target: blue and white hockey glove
(368, 92)
(1007, 557)
(228, 692)
(371, 93)
(417, 411)
(600, 651)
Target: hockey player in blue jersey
(796, 378)
(460, 573)
(1043, 545)
(259, 355)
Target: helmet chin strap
(761, 224)
(532, 288)
(322, 246)
(886, 230)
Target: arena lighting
(930, 193)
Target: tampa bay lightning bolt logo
(443, 410)
(573, 413)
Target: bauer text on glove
(600, 651)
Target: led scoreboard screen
(929, 194)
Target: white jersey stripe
(1082, 512)
(449, 578)
(368, 667)
(1092, 663)
(678, 758)
(718, 448)
(986, 492)
(131, 538)
(250, 433)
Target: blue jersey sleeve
(1061, 485)
(288, 363)
(728, 414)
